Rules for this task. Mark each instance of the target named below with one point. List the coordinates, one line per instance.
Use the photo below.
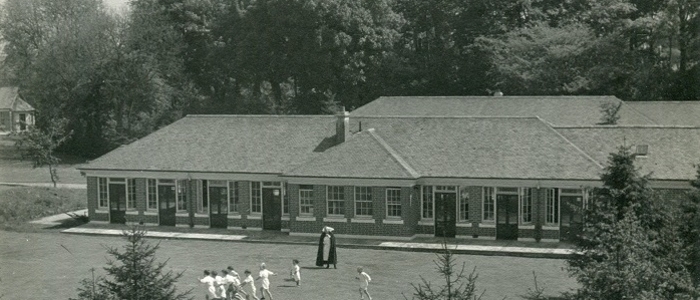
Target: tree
(134, 274)
(629, 247)
(690, 229)
(39, 145)
(458, 285)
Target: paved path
(43, 184)
(58, 219)
(485, 250)
(155, 234)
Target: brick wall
(91, 196)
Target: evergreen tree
(134, 274)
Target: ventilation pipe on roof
(342, 126)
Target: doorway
(218, 201)
(272, 208)
(166, 208)
(445, 213)
(117, 203)
(571, 214)
(506, 217)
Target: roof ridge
(395, 155)
(653, 126)
(255, 116)
(631, 107)
(586, 155)
(438, 117)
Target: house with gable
(16, 115)
(511, 167)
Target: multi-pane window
(233, 196)
(255, 198)
(393, 202)
(306, 200)
(285, 200)
(526, 206)
(103, 200)
(552, 207)
(463, 205)
(489, 205)
(363, 201)
(152, 201)
(181, 187)
(335, 200)
(427, 202)
(131, 194)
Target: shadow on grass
(67, 223)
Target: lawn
(15, 170)
(19, 205)
(59, 261)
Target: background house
(15, 114)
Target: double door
(218, 209)
(571, 217)
(445, 214)
(117, 203)
(166, 205)
(272, 208)
(507, 217)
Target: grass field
(50, 265)
(19, 205)
(14, 169)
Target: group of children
(228, 284)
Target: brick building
(466, 167)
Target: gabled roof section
(672, 151)
(364, 155)
(10, 100)
(556, 110)
(225, 143)
(682, 113)
(482, 147)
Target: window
(393, 203)
(526, 206)
(131, 194)
(306, 200)
(427, 202)
(255, 198)
(102, 201)
(285, 200)
(181, 187)
(463, 205)
(363, 201)
(233, 196)
(488, 205)
(152, 201)
(552, 207)
(335, 200)
(4, 120)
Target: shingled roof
(557, 110)
(225, 143)
(10, 100)
(683, 113)
(672, 151)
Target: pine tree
(133, 274)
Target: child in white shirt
(248, 286)
(364, 283)
(210, 283)
(220, 286)
(264, 274)
(294, 273)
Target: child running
(220, 283)
(364, 283)
(248, 286)
(294, 273)
(210, 283)
(264, 274)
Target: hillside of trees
(118, 77)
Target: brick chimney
(342, 126)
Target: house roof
(557, 110)
(672, 151)
(479, 147)
(10, 100)
(669, 112)
(225, 143)
(365, 155)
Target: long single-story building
(512, 167)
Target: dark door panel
(445, 214)
(272, 208)
(117, 203)
(571, 217)
(218, 208)
(166, 205)
(507, 217)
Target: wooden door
(507, 217)
(571, 217)
(272, 208)
(445, 214)
(166, 202)
(218, 209)
(117, 203)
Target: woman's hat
(327, 229)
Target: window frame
(369, 201)
(151, 190)
(431, 205)
(256, 197)
(233, 198)
(461, 203)
(396, 205)
(525, 205)
(340, 202)
(306, 188)
(102, 188)
(492, 193)
(131, 194)
(555, 212)
(180, 186)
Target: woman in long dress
(326, 249)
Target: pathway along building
(400, 167)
